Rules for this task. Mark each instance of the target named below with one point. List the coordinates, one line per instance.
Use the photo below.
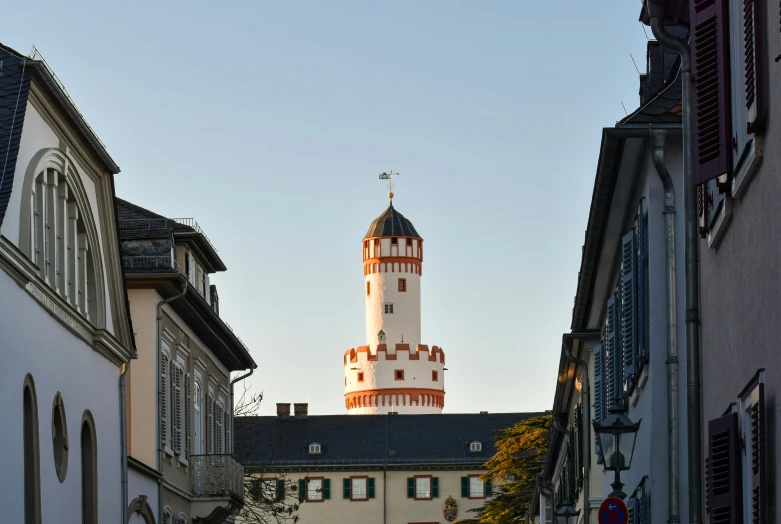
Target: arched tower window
(89, 470)
(32, 468)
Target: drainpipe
(237, 379)
(692, 245)
(123, 435)
(160, 392)
(584, 393)
(658, 137)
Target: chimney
(283, 409)
(301, 410)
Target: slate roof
(663, 108)
(391, 223)
(14, 87)
(360, 440)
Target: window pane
(269, 489)
(359, 488)
(475, 487)
(423, 488)
(315, 489)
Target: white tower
(393, 372)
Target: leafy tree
(264, 506)
(513, 471)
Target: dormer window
(475, 446)
(394, 241)
(315, 449)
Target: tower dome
(393, 371)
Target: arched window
(198, 419)
(89, 470)
(168, 516)
(32, 469)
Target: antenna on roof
(391, 185)
(635, 63)
(625, 111)
(646, 34)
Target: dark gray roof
(391, 223)
(664, 108)
(14, 88)
(360, 440)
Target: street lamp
(565, 512)
(617, 434)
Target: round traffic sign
(613, 511)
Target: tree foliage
(513, 471)
(260, 507)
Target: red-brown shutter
(711, 95)
(726, 501)
(753, 24)
(758, 459)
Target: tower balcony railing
(220, 476)
(150, 262)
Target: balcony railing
(217, 476)
(149, 262)
(192, 223)
(144, 223)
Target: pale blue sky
(268, 122)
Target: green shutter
(465, 487)
(346, 488)
(255, 489)
(280, 490)
(301, 490)
(326, 489)
(489, 489)
(370, 483)
(434, 487)
(410, 488)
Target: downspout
(123, 435)
(160, 393)
(658, 137)
(691, 251)
(237, 379)
(584, 394)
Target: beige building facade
(179, 390)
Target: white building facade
(393, 372)
(64, 326)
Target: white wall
(32, 341)
(141, 484)
(404, 323)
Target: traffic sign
(613, 511)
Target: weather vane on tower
(391, 185)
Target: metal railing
(144, 223)
(192, 223)
(149, 262)
(217, 476)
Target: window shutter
(435, 487)
(599, 393)
(228, 437)
(210, 423)
(346, 488)
(712, 107)
(218, 430)
(176, 408)
(725, 486)
(640, 287)
(410, 487)
(629, 332)
(632, 511)
(613, 355)
(370, 490)
(489, 489)
(579, 442)
(164, 398)
(188, 413)
(753, 49)
(301, 490)
(280, 490)
(707, 484)
(465, 487)
(326, 489)
(255, 489)
(758, 458)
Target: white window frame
(315, 490)
(423, 488)
(315, 448)
(268, 486)
(475, 446)
(388, 308)
(744, 426)
(476, 488)
(359, 488)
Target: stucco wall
(399, 508)
(403, 325)
(34, 342)
(142, 380)
(141, 484)
(740, 286)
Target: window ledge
(747, 167)
(719, 228)
(169, 451)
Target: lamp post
(565, 512)
(617, 434)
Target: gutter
(123, 436)
(691, 248)
(237, 379)
(658, 138)
(160, 392)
